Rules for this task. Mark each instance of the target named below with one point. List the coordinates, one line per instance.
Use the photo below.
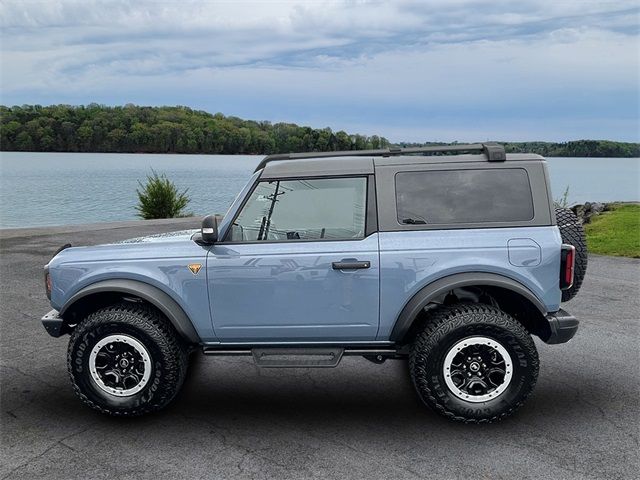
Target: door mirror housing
(209, 230)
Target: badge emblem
(195, 267)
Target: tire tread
(147, 319)
(445, 319)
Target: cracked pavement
(359, 420)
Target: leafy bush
(160, 198)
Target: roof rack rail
(494, 152)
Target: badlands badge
(195, 267)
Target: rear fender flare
(428, 293)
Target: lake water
(40, 189)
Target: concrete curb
(187, 222)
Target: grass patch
(615, 232)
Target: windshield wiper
(413, 221)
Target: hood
(164, 245)
(161, 237)
(153, 259)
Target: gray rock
(586, 211)
(580, 212)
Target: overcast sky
(408, 70)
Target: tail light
(47, 282)
(567, 266)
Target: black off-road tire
(168, 358)
(572, 233)
(447, 326)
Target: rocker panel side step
(297, 357)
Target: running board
(304, 357)
(297, 357)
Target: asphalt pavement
(360, 420)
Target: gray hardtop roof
(364, 165)
(318, 167)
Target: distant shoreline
(181, 130)
(251, 154)
(257, 155)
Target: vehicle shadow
(356, 394)
(356, 400)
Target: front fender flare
(420, 300)
(161, 300)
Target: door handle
(350, 264)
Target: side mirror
(209, 230)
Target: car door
(298, 264)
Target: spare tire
(572, 233)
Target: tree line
(575, 148)
(578, 148)
(136, 129)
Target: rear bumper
(563, 327)
(53, 323)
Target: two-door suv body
(452, 261)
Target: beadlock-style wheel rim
(120, 365)
(477, 369)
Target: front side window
(306, 209)
(463, 196)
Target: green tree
(84, 136)
(8, 134)
(24, 142)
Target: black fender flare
(159, 299)
(438, 287)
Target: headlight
(48, 284)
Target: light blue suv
(450, 257)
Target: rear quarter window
(463, 196)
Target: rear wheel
(126, 359)
(473, 363)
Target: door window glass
(306, 209)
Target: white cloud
(335, 62)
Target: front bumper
(53, 323)
(563, 327)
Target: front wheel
(126, 359)
(473, 363)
